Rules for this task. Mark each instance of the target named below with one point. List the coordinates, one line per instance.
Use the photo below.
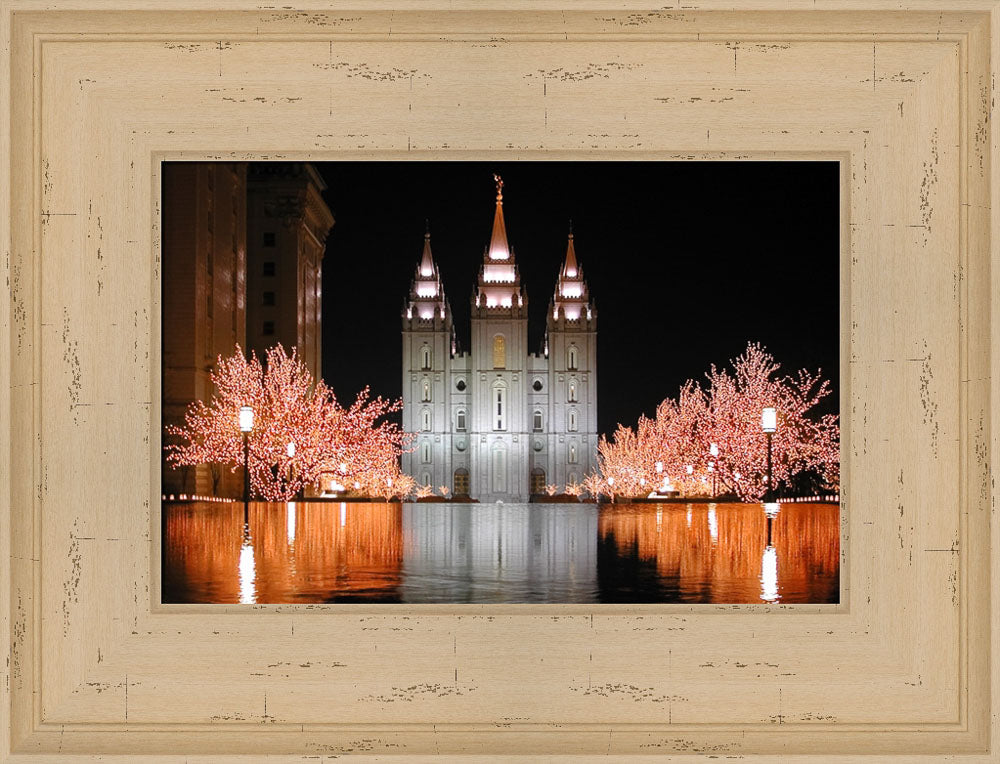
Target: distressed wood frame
(99, 93)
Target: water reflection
(560, 553)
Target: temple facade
(498, 422)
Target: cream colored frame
(99, 93)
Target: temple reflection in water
(476, 553)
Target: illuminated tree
(802, 442)
(726, 413)
(574, 489)
(551, 489)
(423, 491)
(444, 490)
(301, 435)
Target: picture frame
(900, 94)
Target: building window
(460, 484)
(572, 453)
(426, 394)
(537, 386)
(425, 453)
(538, 480)
(267, 328)
(268, 269)
(572, 421)
(499, 407)
(499, 352)
(425, 357)
(268, 238)
(425, 420)
(571, 361)
(460, 385)
(460, 420)
(572, 392)
(267, 298)
(537, 420)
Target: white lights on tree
(713, 449)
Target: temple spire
(499, 250)
(570, 267)
(427, 260)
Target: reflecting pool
(311, 552)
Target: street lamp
(246, 425)
(290, 450)
(769, 423)
(713, 450)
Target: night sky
(686, 262)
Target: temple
(497, 422)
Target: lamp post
(246, 425)
(769, 423)
(713, 449)
(290, 450)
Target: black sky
(686, 262)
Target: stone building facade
(499, 422)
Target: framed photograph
(328, 433)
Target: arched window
(426, 392)
(499, 407)
(425, 357)
(425, 453)
(536, 423)
(499, 352)
(460, 420)
(425, 420)
(460, 484)
(572, 391)
(538, 480)
(571, 357)
(572, 453)
(427, 478)
(572, 420)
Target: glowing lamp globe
(290, 450)
(611, 481)
(713, 450)
(769, 419)
(659, 466)
(690, 469)
(771, 508)
(246, 418)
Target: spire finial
(571, 228)
(427, 228)
(499, 182)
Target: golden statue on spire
(499, 182)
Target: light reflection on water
(474, 553)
